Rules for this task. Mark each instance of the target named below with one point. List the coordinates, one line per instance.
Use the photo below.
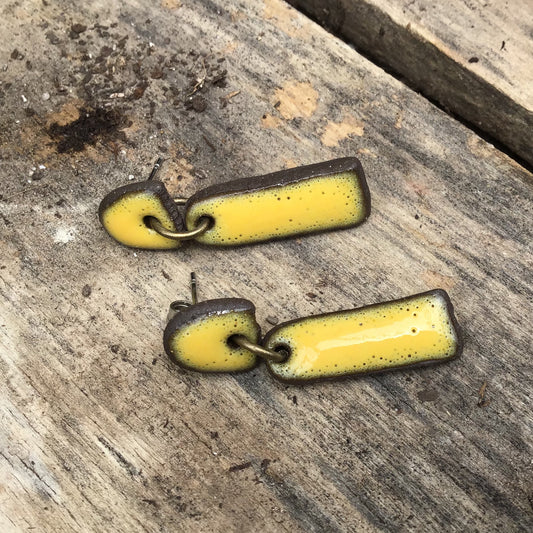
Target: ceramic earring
(223, 336)
(213, 336)
(309, 199)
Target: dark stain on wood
(93, 125)
(239, 467)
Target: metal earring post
(177, 305)
(194, 289)
(156, 168)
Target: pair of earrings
(222, 335)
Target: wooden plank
(474, 58)
(100, 432)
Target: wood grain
(99, 430)
(474, 58)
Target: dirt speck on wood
(86, 291)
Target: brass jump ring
(265, 353)
(154, 223)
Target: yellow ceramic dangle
(416, 330)
(309, 199)
(199, 337)
(320, 197)
(125, 214)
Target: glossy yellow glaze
(315, 204)
(203, 345)
(124, 221)
(385, 336)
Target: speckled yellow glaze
(124, 221)
(389, 335)
(203, 345)
(310, 205)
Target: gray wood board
(100, 431)
(474, 58)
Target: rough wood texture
(99, 430)
(475, 58)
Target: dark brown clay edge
(285, 177)
(440, 292)
(155, 187)
(204, 309)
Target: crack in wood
(121, 460)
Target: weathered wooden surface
(475, 58)
(99, 431)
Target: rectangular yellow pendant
(416, 330)
(310, 199)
